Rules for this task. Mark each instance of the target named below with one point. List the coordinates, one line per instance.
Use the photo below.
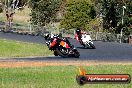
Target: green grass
(10, 48)
(58, 76)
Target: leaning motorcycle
(87, 41)
(62, 47)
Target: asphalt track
(105, 51)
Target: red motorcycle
(62, 47)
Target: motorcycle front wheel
(92, 45)
(76, 54)
(61, 53)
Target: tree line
(80, 13)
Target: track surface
(105, 51)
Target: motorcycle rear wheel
(55, 53)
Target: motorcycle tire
(77, 54)
(61, 54)
(55, 53)
(92, 45)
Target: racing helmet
(47, 36)
(78, 30)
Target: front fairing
(86, 38)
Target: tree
(43, 11)
(1, 7)
(110, 16)
(113, 14)
(78, 14)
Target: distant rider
(78, 35)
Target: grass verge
(58, 76)
(9, 48)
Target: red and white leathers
(53, 42)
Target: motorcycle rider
(78, 35)
(54, 39)
(66, 50)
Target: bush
(78, 14)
